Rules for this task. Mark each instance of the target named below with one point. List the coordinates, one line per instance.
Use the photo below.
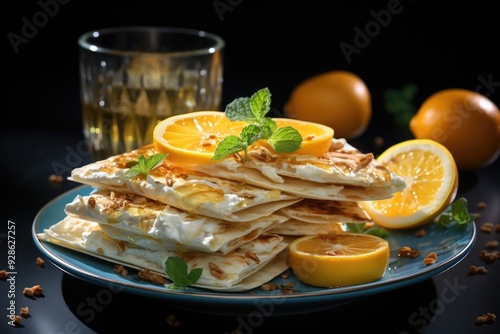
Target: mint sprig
(177, 270)
(253, 110)
(456, 212)
(145, 165)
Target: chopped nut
(486, 318)
(100, 250)
(40, 262)
(121, 245)
(172, 321)
(289, 285)
(481, 205)
(119, 269)
(478, 270)
(269, 286)
(15, 318)
(420, 233)
(492, 244)
(487, 227)
(378, 141)
(146, 275)
(25, 312)
(216, 271)
(3, 274)
(35, 290)
(284, 275)
(28, 292)
(431, 258)
(489, 256)
(408, 252)
(56, 178)
(253, 256)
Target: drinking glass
(133, 77)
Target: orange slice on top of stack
(193, 137)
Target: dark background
(434, 44)
(275, 44)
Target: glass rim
(218, 42)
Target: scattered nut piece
(492, 244)
(119, 269)
(486, 318)
(487, 227)
(25, 312)
(3, 274)
(40, 262)
(408, 252)
(269, 286)
(431, 258)
(378, 141)
(121, 245)
(420, 233)
(15, 318)
(146, 275)
(35, 290)
(481, 205)
(172, 321)
(478, 270)
(489, 256)
(56, 178)
(284, 275)
(100, 250)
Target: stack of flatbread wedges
(232, 218)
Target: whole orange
(467, 123)
(338, 99)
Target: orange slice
(193, 137)
(336, 260)
(432, 182)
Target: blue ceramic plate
(451, 245)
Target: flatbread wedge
(251, 265)
(343, 173)
(188, 190)
(155, 225)
(324, 211)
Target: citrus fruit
(338, 99)
(466, 122)
(336, 260)
(193, 137)
(431, 178)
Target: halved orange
(193, 137)
(431, 177)
(336, 260)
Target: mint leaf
(145, 165)
(355, 227)
(261, 104)
(379, 232)
(177, 270)
(285, 140)
(229, 145)
(250, 109)
(239, 110)
(456, 212)
(253, 111)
